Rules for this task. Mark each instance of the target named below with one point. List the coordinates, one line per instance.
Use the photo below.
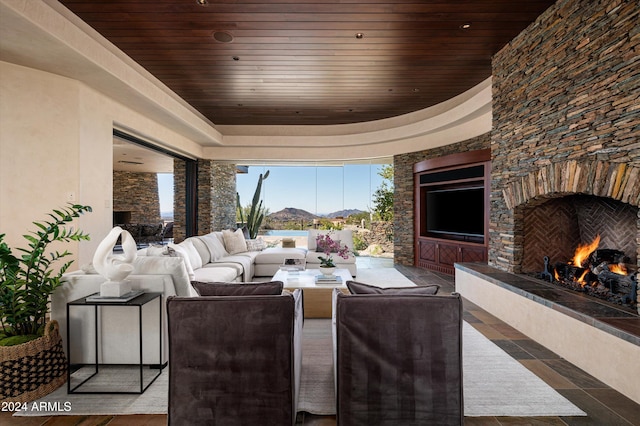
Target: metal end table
(137, 302)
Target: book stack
(328, 279)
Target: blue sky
(165, 191)
(318, 190)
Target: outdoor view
(295, 199)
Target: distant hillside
(344, 213)
(291, 214)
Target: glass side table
(103, 376)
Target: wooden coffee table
(316, 297)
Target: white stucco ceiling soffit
(465, 116)
(45, 35)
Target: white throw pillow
(216, 249)
(156, 265)
(256, 245)
(181, 252)
(156, 251)
(192, 253)
(234, 241)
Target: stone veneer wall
(566, 115)
(403, 192)
(137, 193)
(223, 196)
(179, 197)
(379, 234)
(216, 196)
(205, 196)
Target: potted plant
(32, 362)
(329, 246)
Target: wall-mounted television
(457, 211)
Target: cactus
(256, 212)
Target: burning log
(577, 274)
(608, 256)
(603, 273)
(601, 281)
(615, 282)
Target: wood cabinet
(451, 210)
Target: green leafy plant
(28, 278)
(256, 212)
(383, 196)
(358, 242)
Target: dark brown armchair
(398, 358)
(234, 356)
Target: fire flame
(618, 269)
(581, 255)
(581, 279)
(584, 250)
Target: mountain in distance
(343, 213)
(291, 214)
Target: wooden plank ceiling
(282, 62)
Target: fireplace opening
(584, 243)
(602, 273)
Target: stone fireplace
(565, 118)
(558, 207)
(565, 165)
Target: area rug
(383, 277)
(494, 384)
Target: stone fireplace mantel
(618, 181)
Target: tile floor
(604, 406)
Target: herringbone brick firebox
(556, 227)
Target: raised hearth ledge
(606, 352)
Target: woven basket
(34, 369)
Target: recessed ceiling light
(465, 26)
(222, 36)
(359, 35)
(202, 2)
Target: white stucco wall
(56, 146)
(38, 147)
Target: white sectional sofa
(215, 257)
(221, 256)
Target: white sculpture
(115, 267)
